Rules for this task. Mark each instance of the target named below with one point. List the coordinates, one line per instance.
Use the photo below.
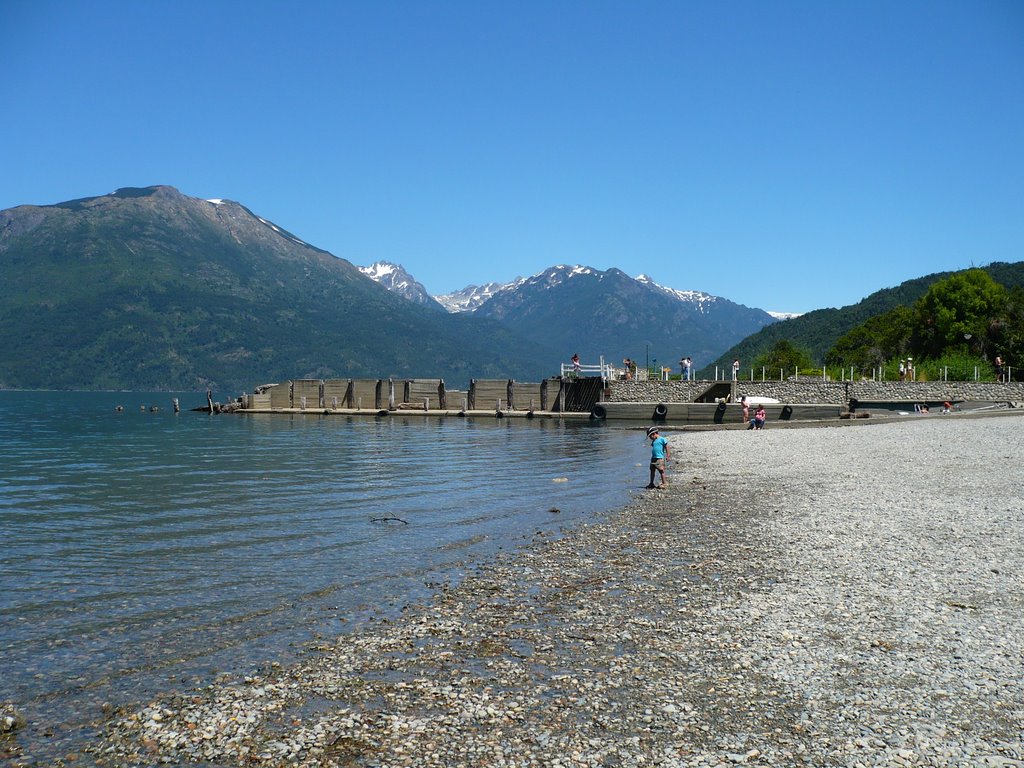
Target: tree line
(958, 329)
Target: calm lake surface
(144, 551)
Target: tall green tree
(1008, 336)
(877, 340)
(784, 355)
(961, 311)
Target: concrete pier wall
(817, 391)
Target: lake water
(144, 551)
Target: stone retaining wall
(817, 391)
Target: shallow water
(145, 550)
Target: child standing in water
(660, 453)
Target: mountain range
(147, 288)
(596, 313)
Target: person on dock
(746, 409)
(686, 364)
(736, 369)
(660, 453)
(575, 363)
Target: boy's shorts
(658, 463)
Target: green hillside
(817, 331)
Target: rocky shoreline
(821, 597)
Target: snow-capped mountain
(783, 315)
(396, 279)
(608, 313)
(472, 296)
(600, 312)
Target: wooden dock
(361, 396)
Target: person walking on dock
(660, 453)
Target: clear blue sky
(785, 155)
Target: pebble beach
(831, 596)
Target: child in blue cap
(660, 453)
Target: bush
(959, 366)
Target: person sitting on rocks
(759, 418)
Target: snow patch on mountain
(702, 301)
(472, 296)
(280, 231)
(397, 280)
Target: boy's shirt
(658, 448)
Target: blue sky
(785, 155)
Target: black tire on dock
(660, 411)
(598, 412)
(787, 413)
(382, 412)
(721, 407)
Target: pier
(559, 397)
(576, 395)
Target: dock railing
(605, 370)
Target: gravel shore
(820, 597)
